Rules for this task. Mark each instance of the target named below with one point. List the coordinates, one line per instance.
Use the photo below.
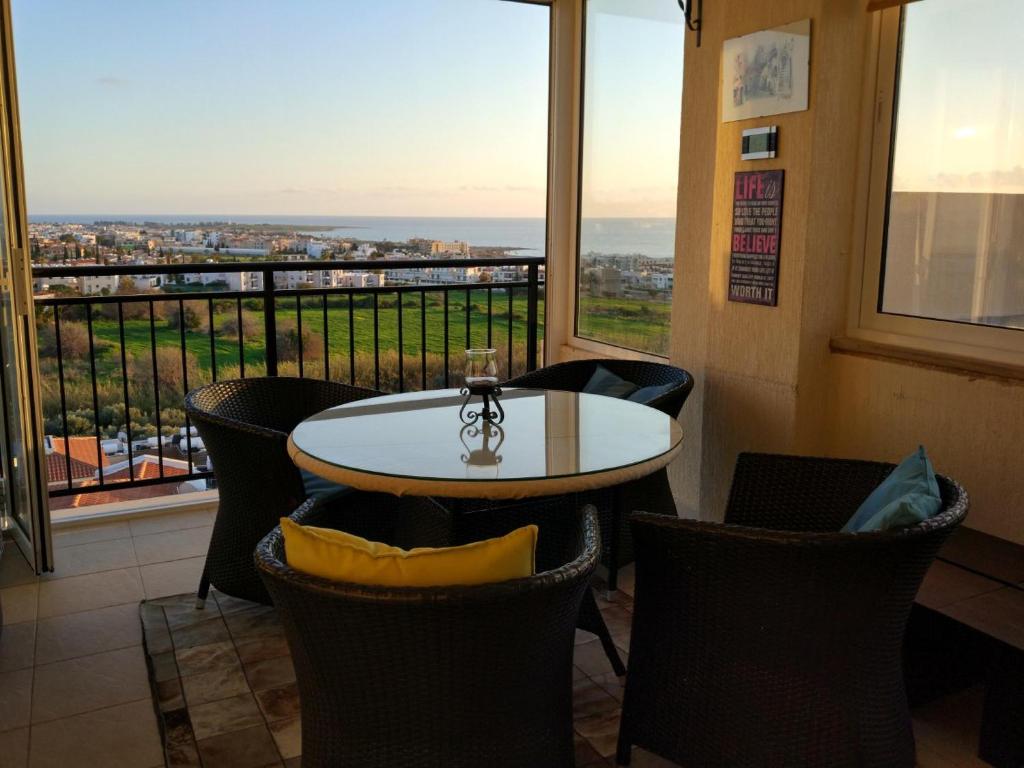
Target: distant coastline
(653, 237)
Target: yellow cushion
(340, 556)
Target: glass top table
(550, 442)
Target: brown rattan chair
(773, 639)
(443, 676)
(650, 494)
(245, 424)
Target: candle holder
(481, 380)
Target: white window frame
(568, 18)
(866, 322)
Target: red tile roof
(146, 468)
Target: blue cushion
(604, 382)
(906, 497)
(319, 488)
(647, 394)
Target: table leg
(591, 620)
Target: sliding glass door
(24, 518)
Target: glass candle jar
(481, 368)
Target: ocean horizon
(654, 237)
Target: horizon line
(217, 217)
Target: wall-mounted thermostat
(760, 143)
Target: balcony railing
(115, 364)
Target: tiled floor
(73, 684)
(73, 680)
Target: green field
(138, 338)
(625, 322)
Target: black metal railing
(121, 361)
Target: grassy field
(626, 322)
(138, 338)
(632, 323)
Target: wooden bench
(966, 628)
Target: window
(212, 133)
(632, 90)
(949, 232)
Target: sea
(525, 236)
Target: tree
(250, 326)
(193, 320)
(288, 343)
(74, 340)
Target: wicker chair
(650, 494)
(572, 376)
(442, 676)
(245, 424)
(771, 639)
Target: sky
(389, 107)
(327, 107)
(961, 100)
(633, 93)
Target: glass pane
(956, 212)
(15, 504)
(632, 102)
(194, 131)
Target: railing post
(533, 278)
(270, 322)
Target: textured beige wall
(972, 428)
(766, 379)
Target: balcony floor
(73, 682)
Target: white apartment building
(186, 235)
(93, 284)
(235, 281)
(315, 250)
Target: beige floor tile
(124, 736)
(88, 632)
(20, 603)
(288, 736)
(172, 545)
(602, 731)
(17, 646)
(162, 579)
(14, 569)
(69, 536)
(173, 521)
(15, 699)
(590, 657)
(91, 558)
(14, 748)
(91, 682)
(84, 593)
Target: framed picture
(767, 72)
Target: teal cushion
(906, 497)
(319, 488)
(647, 394)
(604, 382)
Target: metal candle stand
(490, 394)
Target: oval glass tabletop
(549, 442)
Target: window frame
(568, 31)
(948, 338)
